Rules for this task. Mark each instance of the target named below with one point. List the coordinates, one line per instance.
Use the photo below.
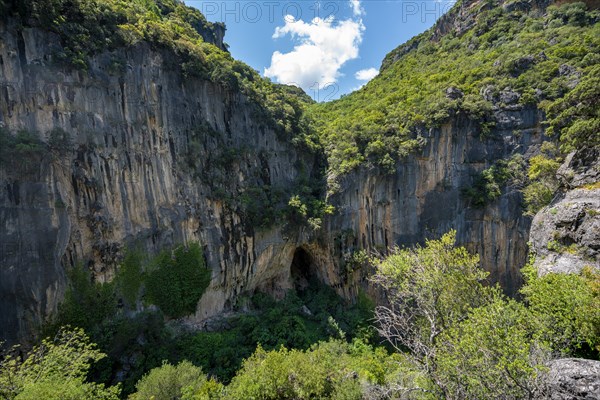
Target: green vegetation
(451, 334)
(89, 27)
(467, 340)
(568, 306)
(298, 321)
(20, 153)
(174, 281)
(177, 280)
(57, 369)
(549, 59)
(543, 183)
(328, 370)
(181, 381)
(487, 186)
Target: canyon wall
(155, 159)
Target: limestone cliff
(154, 158)
(148, 163)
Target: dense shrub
(568, 305)
(173, 382)
(328, 370)
(177, 280)
(542, 184)
(54, 370)
(298, 321)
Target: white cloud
(324, 45)
(356, 8)
(366, 74)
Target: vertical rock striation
(155, 159)
(152, 160)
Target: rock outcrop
(565, 236)
(152, 159)
(572, 379)
(424, 198)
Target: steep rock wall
(155, 159)
(424, 197)
(149, 165)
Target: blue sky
(328, 48)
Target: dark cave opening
(302, 270)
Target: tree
(56, 369)
(178, 280)
(493, 354)
(428, 290)
(328, 370)
(180, 381)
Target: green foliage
(543, 182)
(130, 276)
(273, 324)
(328, 370)
(575, 117)
(429, 290)
(568, 305)
(177, 280)
(86, 303)
(55, 370)
(59, 141)
(432, 287)
(170, 382)
(96, 308)
(134, 345)
(384, 120)
(20, 153)
(488, 185)
(492, 354)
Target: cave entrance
(302, 270)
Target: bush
(86, 303)
(568, 305)
(177, 280)
(488, 185)
(55, 370)
(492, 353)
(543, 183)
(328, 370)
(170, 382)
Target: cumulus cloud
(366, 74)
(324, 45)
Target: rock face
(424, 199)
(573, 379)
(155, 159)
(565, 236)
